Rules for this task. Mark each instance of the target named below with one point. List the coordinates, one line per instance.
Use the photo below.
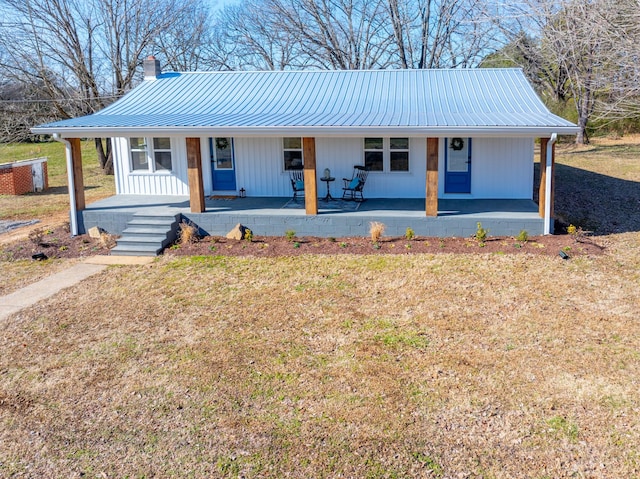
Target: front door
(458, 166)
(222, 164)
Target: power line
(63, 99)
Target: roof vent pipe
(151, 68)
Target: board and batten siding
(501, 168)
(174, 183)
(260, 168)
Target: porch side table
(328, 182)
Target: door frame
(230, 182)
(457, 181)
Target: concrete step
(143, 239)
(136, 250)
(147, 235)
(151, 222)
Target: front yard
(349, 366)
(467, 365)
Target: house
(431, 137)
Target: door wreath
(222, 143)
(457, 144)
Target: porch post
(76, 174)
(432, 177)
(194, 166)
(310, 184)
(542, 192)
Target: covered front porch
(272, 216)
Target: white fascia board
(345, 132)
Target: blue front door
(457, 177)
(222, 164)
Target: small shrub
(188, 233)
(409, 234)
(248, 235)
(376, 231)
(296, 245)
(577, 232)
(523, 236)
(481, 234)
(107, 240)
(343, 245)
(290, 234)
(36, 236)
(331, 239)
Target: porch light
(243, 193)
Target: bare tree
(585, 52)
(440, 33)
(85, 53)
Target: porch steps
(147, 235)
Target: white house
(429, 134)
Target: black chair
(297, 182)
(352, 190)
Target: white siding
(160, 183)
(501, 168)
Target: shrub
(188, 233)
(523, 236)
(248, 235)
(376, 230)
(290, 234)
(481, 234)
(409, 234)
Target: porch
(272, 216)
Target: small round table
(328, 181)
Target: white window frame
(285, 150)
(148, 148)
(386, 154)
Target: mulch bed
(57, 243)
(281, 246)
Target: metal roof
(325, 102)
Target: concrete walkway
(49, 286)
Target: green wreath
(457, 144)
(222, 143)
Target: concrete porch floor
(269, 216)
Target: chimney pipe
(151, 68)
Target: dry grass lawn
(434, 366)
(448, 366)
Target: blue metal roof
(419, 102)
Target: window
(386, 154)
(373, 154)
(399, 154)
(292, 148)
(150, 154)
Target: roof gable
(333, 102)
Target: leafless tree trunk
(587, 52)
(86, 54)
(440, 33)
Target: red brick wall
(6, 181)
(16, 180)
(45, 172)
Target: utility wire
(62, 100)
